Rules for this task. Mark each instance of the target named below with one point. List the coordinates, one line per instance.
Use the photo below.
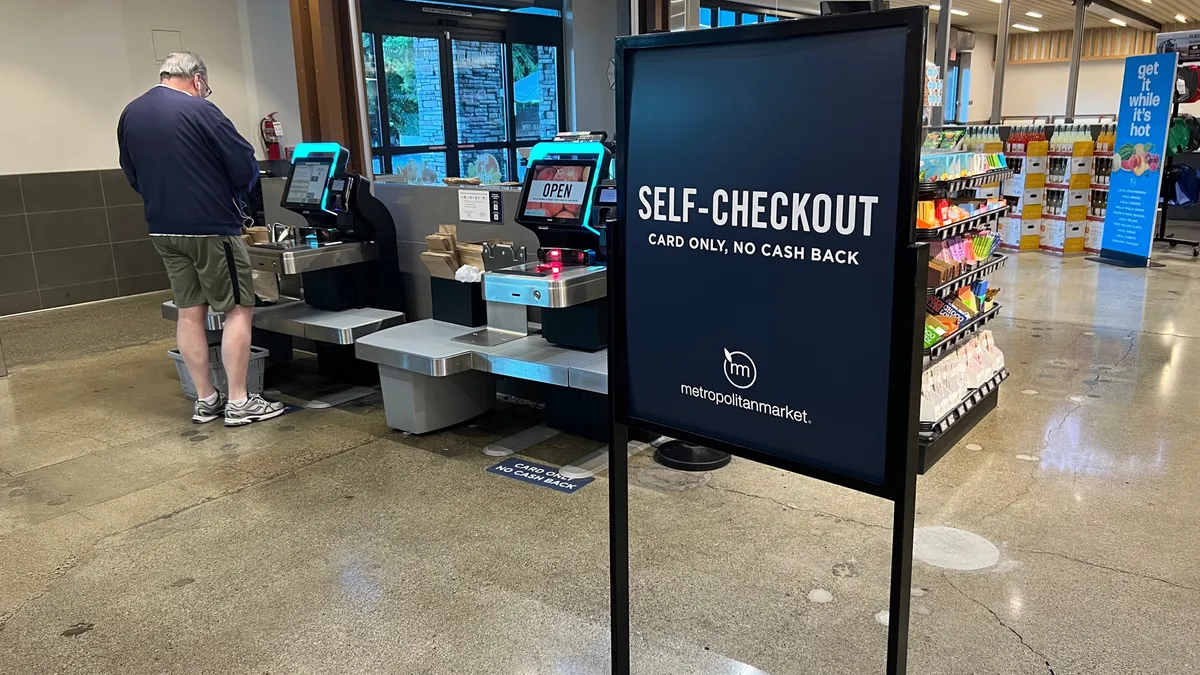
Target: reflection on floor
(134, 542)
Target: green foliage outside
(525, 61)
(400, 77)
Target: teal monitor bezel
(303, 151)
(591, 151)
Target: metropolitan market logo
(740, 370)
(742, 373)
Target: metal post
(942, 58)
(1001, 60)
(618, 546)
(1076, 57)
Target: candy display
(956, 256)
(945, 315)
(937, 213)
(947, 383)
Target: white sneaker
(206, 412)
(255, 409)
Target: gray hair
(182, 64)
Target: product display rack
(936, 438)
(967, 278)
(975, 222)
(1160, 217)
(946, 346)
(965, 183)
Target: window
(480, 91)
(372, 77)
(489, 166)
(535, 91)
(733, 14)
(459, 101)
(412, 72)
(423, 168)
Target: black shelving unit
(980, 271)
(933, 430)
(948, 344)
(936, 438)
(975, 222)
(966, 183)
(933, 447)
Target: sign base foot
(683, 456)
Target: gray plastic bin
(254, 376)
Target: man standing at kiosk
(187, 161)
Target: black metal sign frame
(907, 319)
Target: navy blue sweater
(187, 161)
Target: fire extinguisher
(272, 136)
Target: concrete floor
(133, 542)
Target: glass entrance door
(457, 103)
(481, 100)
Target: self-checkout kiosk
(346, 256)
(567, 200)
(546, 317)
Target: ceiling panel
(983, 15)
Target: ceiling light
(1181, 18)
(997, 1)
(1147, 1)
(959, 12)
(1117, 21)
(1033, 14)
(1022, 26)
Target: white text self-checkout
(807, 212)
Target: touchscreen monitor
(557, 192)
(306, 182)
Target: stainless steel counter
(428, 348)
(298, 259)
(432, 381)
(295, 318)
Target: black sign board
(764, 282)
(768, 217)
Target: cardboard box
(471, 252)
(441, 264)
(440, 242)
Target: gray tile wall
(73, 237)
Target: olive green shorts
(213, 271)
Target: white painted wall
(68, 68)
(266, 33)
(983, 76)
(1041, 88)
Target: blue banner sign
(1143, 119)
(538, 474)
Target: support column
(326, 42)
(1001, 59)
(1076, 58)
(683, 15)
(941, 56)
